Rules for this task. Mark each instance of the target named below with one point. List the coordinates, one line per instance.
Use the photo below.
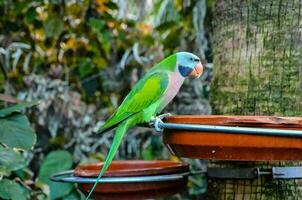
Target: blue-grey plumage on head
(189, 64)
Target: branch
(9, 99)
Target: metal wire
(68, 177)
(159, 125)
(214, 173)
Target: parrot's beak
(197, 71)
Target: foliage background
(80, 58)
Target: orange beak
(197, 71)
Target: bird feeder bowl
(130, 179)
(237, 138)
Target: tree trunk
(258, 71)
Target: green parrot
(148, 97)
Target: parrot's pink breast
(175, 82)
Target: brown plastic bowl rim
(130, 168)
(239, 120)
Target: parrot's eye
(194, 59)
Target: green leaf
(96, 25)
(53, 26)
(17, 108)
(30, 15)
(56, 161)
(111, 5)
(11, 190)
(74, 195)
(16, 132)
(85, 67)
(10, 160)
(166, 26)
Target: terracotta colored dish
(132, 168)
(228, 146)
(162, 178)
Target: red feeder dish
(134, 179)
(235, 146)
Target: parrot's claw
(155, 121)
(162, 116)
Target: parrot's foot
(155, 121)
(162, 116)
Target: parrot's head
(189, 65)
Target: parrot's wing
(147, 91)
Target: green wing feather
(119, 134)
(147, 91)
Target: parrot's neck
(175, 82)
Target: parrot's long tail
(119, 134)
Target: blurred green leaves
(11, 190)
(10, 160)
(16, 131)
(96, 33)
(96, 25)
(53, 26)
(16, 135)
(85, 67)
(30, 15)
(56, 161)
(17, 108)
